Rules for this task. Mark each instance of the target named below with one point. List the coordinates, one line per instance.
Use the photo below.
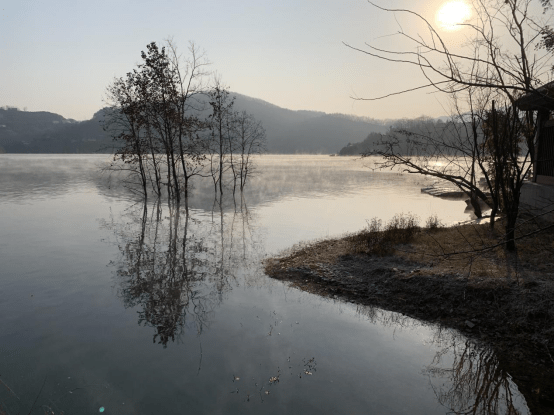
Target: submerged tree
(158, 102)
(123, 120)
(158, 115)
(250, 141)
(233, 141)
(221, 120)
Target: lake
(110, 305)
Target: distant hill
(291, 131)
(287, 131)
(367, 145)
(43, 132)
(18, 128)
(438, 128)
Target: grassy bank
(450, 276)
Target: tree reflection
(162, 269)
(478, 383)
(467, 378)
(176, 266)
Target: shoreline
(510, 311)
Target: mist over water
(152, 308)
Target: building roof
(540, 99)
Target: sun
(452, 14)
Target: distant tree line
(420, 125)
(171, 124)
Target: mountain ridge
(288, 131)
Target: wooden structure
(542, 101)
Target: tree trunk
(510, 231)
(475, 205)
(175, 178)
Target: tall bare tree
(250, 141)
(221, 120)
(502, 60)
(123, 120)
(158, 112)
(190, 75)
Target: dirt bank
(502, 299)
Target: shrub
(433, 223)
(376, 239)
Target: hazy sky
(60, 56)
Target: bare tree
(511, 69)
(235, 139)
(158, 103)
(485, 68)
(159, 85)
(455, 151)
(507, 166)
(191, 74)
(158, 113)
(124, 122)
(251, 140)
(221, 120)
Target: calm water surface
(109, 305)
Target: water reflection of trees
(478, 382)
(176, 265)
(467, 378)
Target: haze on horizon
(60, 56)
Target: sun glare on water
(452, 14)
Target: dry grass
(463, 249)
(375, 239)
(477, 251)
(382, 240)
